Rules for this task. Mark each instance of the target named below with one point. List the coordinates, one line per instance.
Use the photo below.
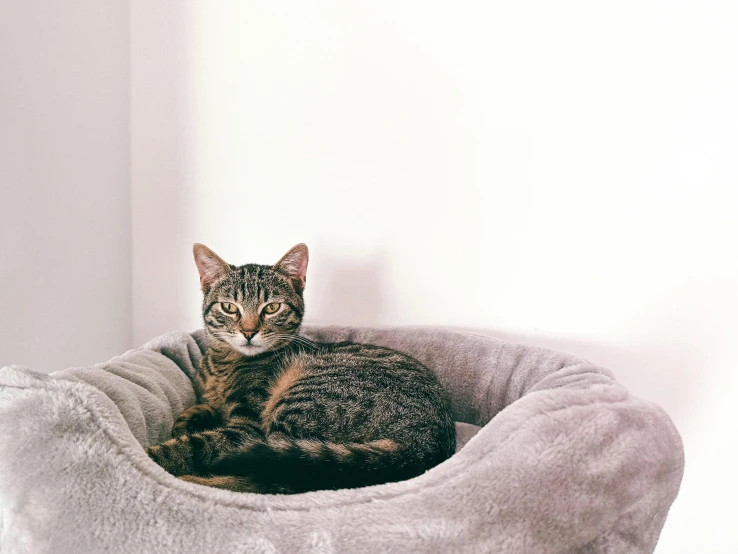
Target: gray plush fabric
(566, 461)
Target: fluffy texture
(566, 461)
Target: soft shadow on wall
(658, 367)
(629, 366)
(64, 183)
(349, 290)
(164, 275)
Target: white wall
(65, 244)
(560, 173)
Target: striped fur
(280, 414)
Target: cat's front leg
(193, 454)
(195, 419)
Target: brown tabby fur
(278, 413)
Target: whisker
(302, 341)
(297, 338)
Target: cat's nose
(249, 334)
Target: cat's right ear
(209, 264)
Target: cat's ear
(294, 265)
(209, 264)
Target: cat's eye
(228, 307)
(271, 308)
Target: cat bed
(565, 460)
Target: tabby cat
(278, 413)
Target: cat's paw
(154, 452)
(169, 456)
(196, 419)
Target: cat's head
(252, 308)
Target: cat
(280, 414)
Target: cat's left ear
(294, 265)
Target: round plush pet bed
(564, 460)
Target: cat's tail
(288, 466)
